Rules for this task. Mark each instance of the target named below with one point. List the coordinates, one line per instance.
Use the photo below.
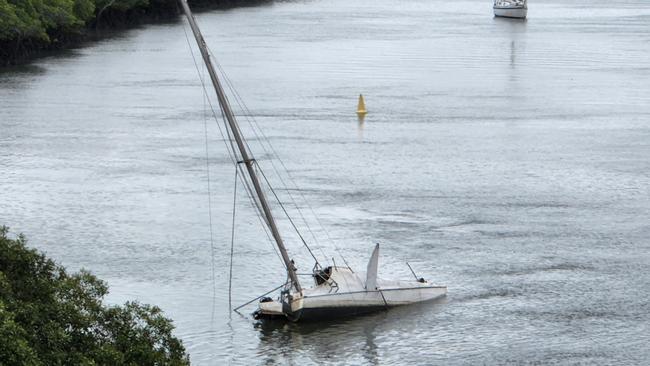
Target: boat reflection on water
(513, 32)
(337, 340)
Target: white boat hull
(511, 12)
(352, 303)
(349, 297)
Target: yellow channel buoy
(361, 108)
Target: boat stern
(268, 309)
(275, 309)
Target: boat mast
(247, 157)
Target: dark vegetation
(51, 317)
(30, 27)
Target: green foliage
(20, 21)
(56, 13)
(50, 317)
(84, 9)
(39, 19)
(14, 348)
(36, 19)
(30, 26)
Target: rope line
(231, 154)
(207, 169)
(232, 239)
(277, 156)
(248, 115)
(287, 214)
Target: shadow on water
(514, 21)
(327, 338)
(13, 77)
(22, 70)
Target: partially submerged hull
(344, 294)
(511, 8)
(511, 12)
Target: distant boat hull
(518, 12)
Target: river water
(508, 160)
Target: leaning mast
(247, 157)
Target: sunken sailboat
(336, 291)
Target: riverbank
(30, 29)
(49, 316)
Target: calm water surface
(508, 160)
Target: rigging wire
(232, 239)
(287, 214)
(242, 104)
(232, 154)
(251, 196)
(207, 168)
(256, 127)
(246, 116)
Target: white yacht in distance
(510, 8)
